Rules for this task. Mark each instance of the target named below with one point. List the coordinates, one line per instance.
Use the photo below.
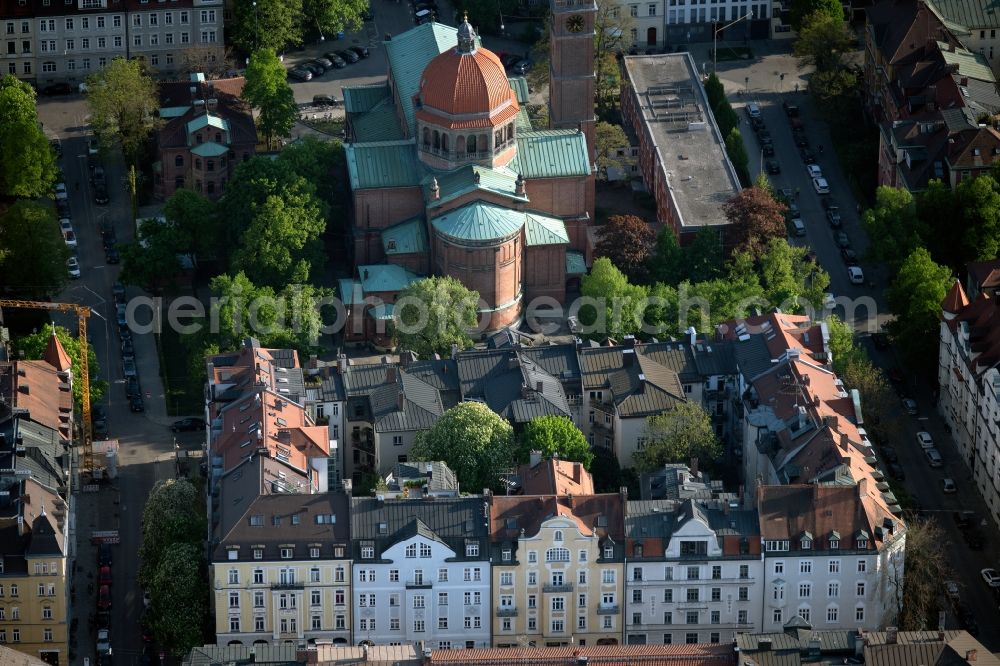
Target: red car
(104, 598)
(104, 577)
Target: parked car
(104, 555)
(963, 519)
(317, 68)
(97, 177)
(103, 641)
(325, 100)
(362, 51)
(855, 275)
(833, 217)
(104, 575)
(889, 454)
(951, 588)
(120, 315)
(111, 256)
(145, 598)
(101, 197)
(990, 577)
(791, 110)
(128, 349)
(973, 538)
(58, 89)
(99, 428)
(910, 405)
(807, 156)
(925, 440)
(773, 167)
(801, 141)
(337, 61)
(821, 186)
(108, 236)
(828, 203)
(128, 367)
(300, 74)
(768, 149)
(841, 239)
(104, 598)
(118, 291)
(948, 486)
(188, 425)
(934, 457)
(62, 208)
(814, 171)
(132, 387)
(521, 67)
(849, 256)
(73, 268)
(135, 404)
(349, 56)
(70, 239)
(896, 472)
(752, 110)
(326, 62)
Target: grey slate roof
(643, 387)
(43, 538)
(332, 389)
(675, 481)
(407, 405)
(451, 520)
(45, 454)
(261, 655)
(752, 356)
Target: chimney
(692, 336)
(454, 350)
(435, 189)
(764, 644)
(519, 186)
(862, 486)
(970, 655)
(390, 374)
(211, 104)
(941, 616)
(628, 357)
(578, 343)
(23, 388)
(629, 341)
(891, 635)
(845, 442)
(534, 458)
(964, 81)
(576, 472)
(342, 364)
(400, 399)
(859, 642)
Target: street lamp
(256, 27)
(320, 28)
(715, 38)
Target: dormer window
(862, 544)
(861, 540)
(609, 552)
(834, 540)
(806, 541)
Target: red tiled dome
(458, 82)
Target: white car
(925, 440)
(753, 110)
(948, 486)
(821, 186)
(814, 171)
(145, 599)
(991, 577)
(934, 458)
(103, 641)
(65, 224)
(61, 191)
(70, 239)
(856, 275)
(73, 267)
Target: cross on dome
(466, 36)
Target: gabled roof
(407, 237)
(555, 477)
(406, 405)
(55, 355)
(385, 277)
(644, 388)
(452, 520)
(207, 120)
(551, 154)
(512, 516)
(471, 178)
(711, 654)
(383, 164)
(544, 230)
(970, 64)
(902, 29)
(970, 14)
(408, 54)
(210, 149)
(359, 99)
(379, 123)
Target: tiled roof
(450, 519)
(644, 388)
(512, 516)
(210, 149)
(45, 395)
(385, 164)
(956, 299)
(902, 29)
(406, 405)
(406, 237)
(544, 230)
(385, 277)
(408, 54)
(674, 655)
(359, 99)
(465, 83)
(55, 355)
(973, 14)
(551, 154)
(555, 477)
(479, 221)
(520, 87)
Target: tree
(925, 569)
(33, 347)
(319, 162)
(789, 278)
(626, 240)
(617, 305)
(28, 168)
(123, 104)
(676, 436)
(836, 90)
(842, 346)
(612, 27)
(804, 11)
(151, 261)
(667, 263)
(893, 226)
(878, 400)
(171, 516)
(333, 16)
(433, 314)
(554, 436)
(30, 237)
(704, 257)
(212, 61)
(738, 155)
(196, 221)
(915, 297)
(179, 598)
(473, 440)
(606, 472)
(267, 90)
(266, 24)
(757, 218)
(979, 202)
(714, 90)
(609, 139)
(824, 39)
(936, 210)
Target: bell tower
(571, 67)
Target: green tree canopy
(33, 346)
(842, 346)
(915, 297)
(617, 305)
(333, 16)
(152, 261)
(267, 90)
(704, 258)
(666, 264)
(433, 314)
(878, 400)
(28, 168)
(823, 41)
(554, 436)
(789, 279)
(738, 155)
(197, 222)
(918, 594)
(123, 103)
(979, 201)
(893, 226)
(757, 218)
(804, 12)
(171, 516)
(319, 162)
(30, 237)
(179, 597)
(268, 24)
(611, 28)
(609, 139)
(282, 242)
(676, 436)
(626, 240)
(474, 441)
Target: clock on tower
(571, 67)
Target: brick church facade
(449, 177)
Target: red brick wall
(562, 197)
(545, 272)
(378, 209)
(495, 272)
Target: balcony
(608, 609)
(506, 611)
(564, 587)
(289, 585)
(418, 584)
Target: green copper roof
(382, 311)
(575, 263)
(408, 55)
(551, 154)
(378, 124)
(520, 87)
(968, 13)
(544, 230)
(522, 121)
(210, 149)
(385, 164)
(463, 180)
(972, 65)
(479, 221)
(207, 120)
(173, 111)
(385, 277)
(358, 99)
(350, 292)
(405, 238)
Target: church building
(449, 177)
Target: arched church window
(427, 137)
(460, 144)
(437, 139)
(497, 138)
(471, 144)
(444, 142)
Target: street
(760, 81)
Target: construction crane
(82, 312)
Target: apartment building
(421, 571)
(65, 41)
(558, 560)
(970, 382)
(281, 569)
(668, 24)
(694, 567)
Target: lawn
(182, 392)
